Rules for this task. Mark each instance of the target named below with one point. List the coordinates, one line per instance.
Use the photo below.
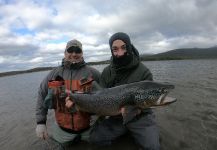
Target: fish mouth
(165, 100)
(161, 101)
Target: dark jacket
(67, 72)
(133, 72)
(114, 75)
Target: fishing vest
(68, 118)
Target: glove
(41, 131)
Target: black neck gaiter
(122, 60)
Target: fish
(109, 101)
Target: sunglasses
(74, 49)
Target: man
(71, 74)
(125, 67)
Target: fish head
(153, 94)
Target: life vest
(66, 118)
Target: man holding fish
(125, 67)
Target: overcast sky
(34, 33)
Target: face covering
(122, 60)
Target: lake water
(189, 124)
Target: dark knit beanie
(123, 37)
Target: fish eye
(163, 90)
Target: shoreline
(38, 69)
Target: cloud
(36, 60)
(34, 33)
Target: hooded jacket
(115, 74)
(133, 72)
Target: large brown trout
(107, 102)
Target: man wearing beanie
(70, 124)
(124, 68)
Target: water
(190, 123)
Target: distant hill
(185, 53)
(25, 71)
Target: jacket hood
(132, 57)
(123, 37)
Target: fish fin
(128, 118)
(129, 113)
(95, 87)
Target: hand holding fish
(124, 111)
(69, 102)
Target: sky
(34, 33)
